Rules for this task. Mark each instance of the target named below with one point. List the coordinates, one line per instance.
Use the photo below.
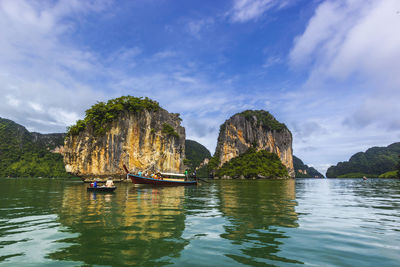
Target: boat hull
(145, 180)
(101, 189)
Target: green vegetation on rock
(263, 118)
(169, 130)
(358, 175)
(390, 174)
(371, 163)
(304, 171)
(25, 154)
(398, 168)
(213, 165)
(195, 153)
(101, 114)
(253, 164)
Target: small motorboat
(101, 189)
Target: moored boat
(164, 181)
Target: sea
(310, 222)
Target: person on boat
(109, 183)
(140, 173)
(95, 183)
(186, 175)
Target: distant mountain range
(26, 154)
(195, 153)
(374, 162)
(303, 171)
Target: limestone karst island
(146, 138)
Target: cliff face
(256, 129)
(53, 142)
(146, 140)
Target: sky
(328, 69)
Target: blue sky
(330, 70)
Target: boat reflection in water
(259, 212)
(134, 226)
(246, 222)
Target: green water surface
(314, 222)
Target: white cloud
(355, 44)
(164, 54)
(36, 107)
(351, 52)
(247, 10)
(271, 61)
(195, 27)
(41, 71)
(346, 37)
(12, 101)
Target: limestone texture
(242, 131)
(134, 139)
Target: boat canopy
(172, 174)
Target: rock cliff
(53, 141)
(257, 129)
(145, 139)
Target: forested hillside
(371, 163)
(25, 154)
(304, 171)
(195, 154)
(253, 164)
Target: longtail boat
(136, 179)
(163, 179)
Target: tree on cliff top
(263, 118)
(101, 114)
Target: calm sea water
(314, 222)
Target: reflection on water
(259, 212)
(226, 223)
(28, 223)
(132, 226)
